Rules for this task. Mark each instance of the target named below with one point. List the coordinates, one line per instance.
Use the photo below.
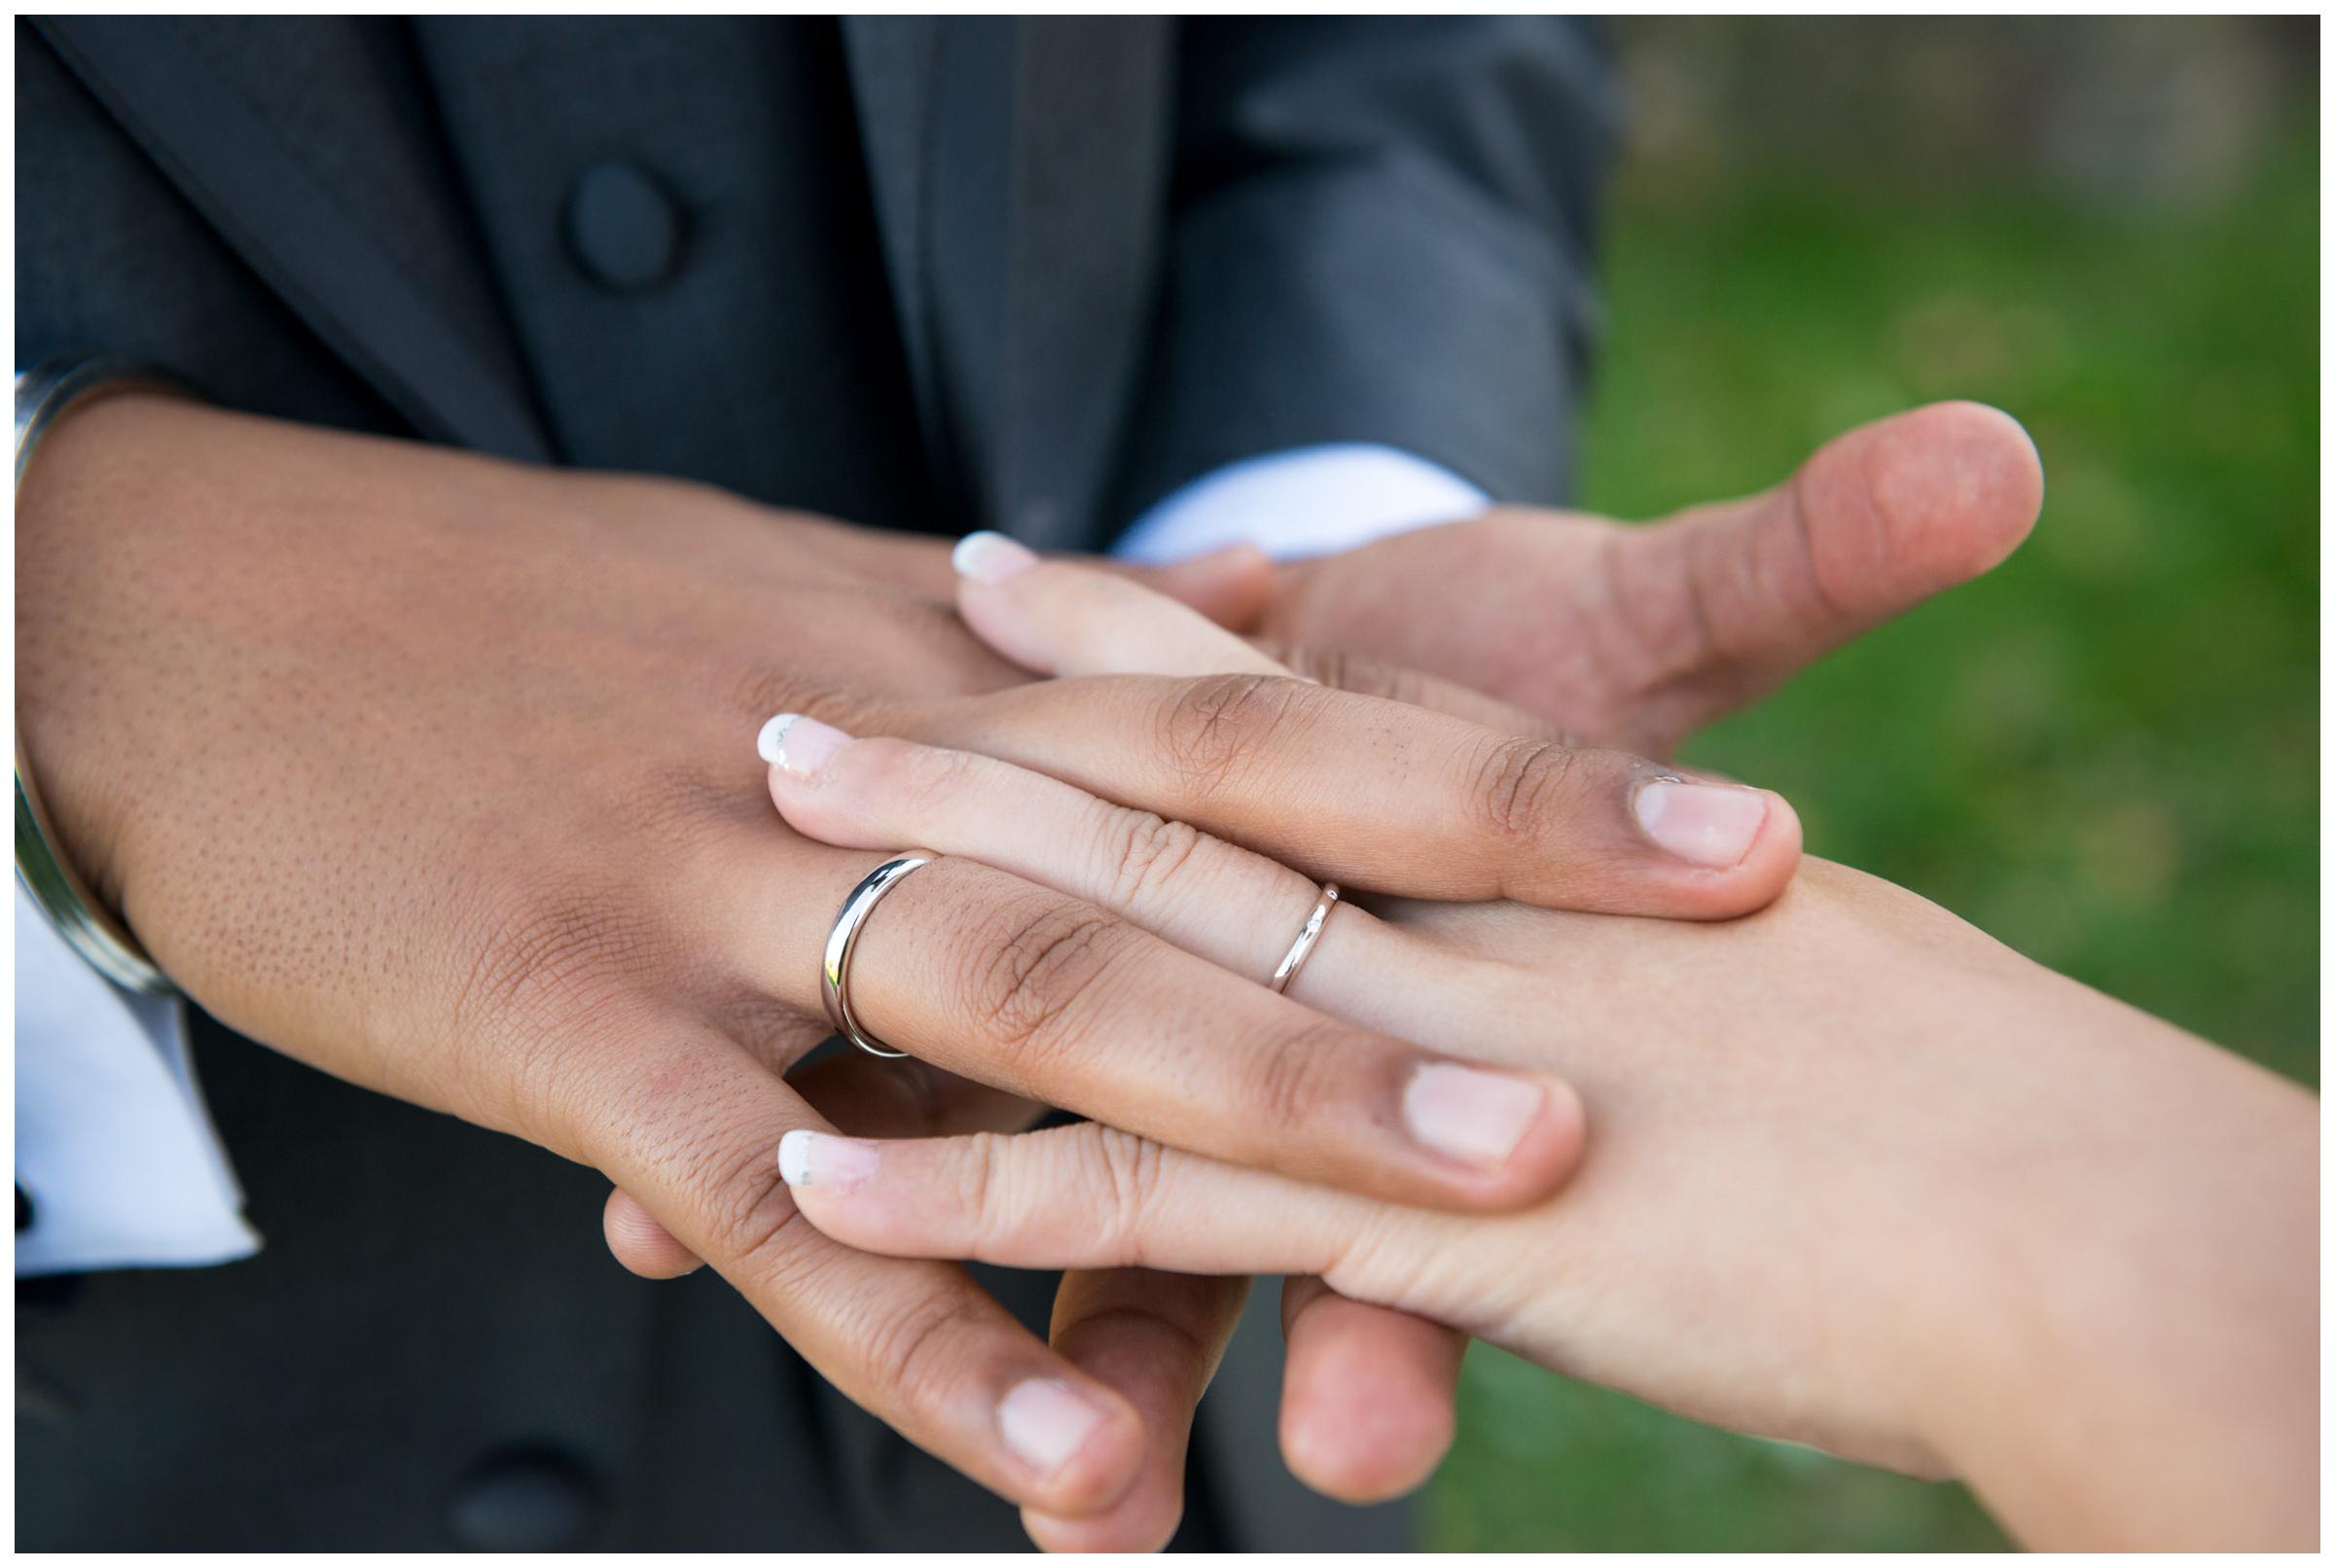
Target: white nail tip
(990, 556)
(771, 744)
(965, 559)
(794, 1158)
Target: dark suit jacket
(928, 273)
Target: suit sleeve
(1381, 232)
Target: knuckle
(1368, 1260)
(557, 981)
(983, 1186)
(1346, 671)
(756, 1230)
(552, 951)
(681, 808)
(554, 995)
(1516, 786)
(920, 778)
(1041, 965)
(911, 1352)
(759, 691)
(1145, 852)
(557, 1085)
(1312, 662)
(1214, 724)
(1127, 1188)
(1294, 1075)
(687, 1114)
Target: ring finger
(1241, 910)
(991, 977)
(1385, 795)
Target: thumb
(1745, 593)
(1230, 586)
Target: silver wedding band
(834, 972)
(1302, 947)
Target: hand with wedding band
(1208, 899)
(1862, 1177)
(433, 773)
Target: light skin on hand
(2001, 1247)
(1404, 1367)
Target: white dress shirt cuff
(115, 1150)
(1309, 501)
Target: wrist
(61, 855)
(2133, 1359)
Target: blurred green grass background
(2105, 753)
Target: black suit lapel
(1024, 211)
(294, 230)
(893, 63)
(969, 215)
(1090, 154)
(1019, 172)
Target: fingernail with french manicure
(990, 557)
(823, 1160)
(1044, 1422)
(799, 744)
(1706, 824)
(1476, 1118)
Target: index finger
(1382, 793)
(1390, 797)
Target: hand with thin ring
(1875, 523)
(1862, 1177)
(434, 773)
(1470, 1141)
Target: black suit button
(623, 228)
(523, 1500)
